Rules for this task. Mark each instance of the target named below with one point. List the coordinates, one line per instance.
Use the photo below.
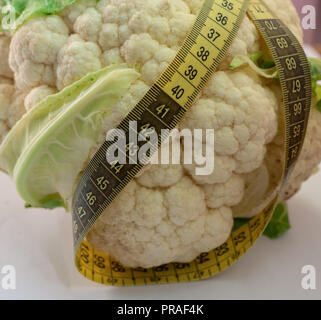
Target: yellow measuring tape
(204, 48)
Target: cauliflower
(167, 213)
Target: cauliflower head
(167, 213)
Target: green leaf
(52, 202)
(261, 62)
(46, 150)
(279, 223)
(239, 222)
(26, 9)
(257, 63)
(315, 67)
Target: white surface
(38, 243)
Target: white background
(38, 243)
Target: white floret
(159, 226)
(6, 92)
(36, 95)
(88, 25)
(226, 194)
(34, 51)
(185, 201)
(161, 176)
(75, 53)
(11, 105)
(71, 13)
(5, 70)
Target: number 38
(228, 4)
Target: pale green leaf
(45, 151)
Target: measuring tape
(204, 48)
